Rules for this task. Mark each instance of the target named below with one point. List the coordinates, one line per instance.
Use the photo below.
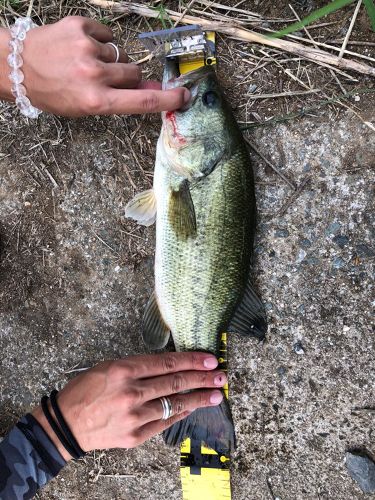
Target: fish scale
(199, 281)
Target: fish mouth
(172, 78)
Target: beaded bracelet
(18, 33)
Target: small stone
(301, 255)
(364, 250)
(338, 263)
(301, 309)
(281, 233)
(333, 228)
(305, 243)
(312, 261)
(298, 348)
(362, 469)
(341, 240)
(252, 88)
(357, 98)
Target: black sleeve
(28, 460)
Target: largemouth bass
(204, 205)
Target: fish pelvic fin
(212, 426)
(155, 332)
(142, 208)
(250, 316)
(181, 212)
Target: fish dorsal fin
(155, 332)
(250, 315)
(142, 208)
(181, 212)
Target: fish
(203, 203)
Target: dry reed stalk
(316, 55)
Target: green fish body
(204, 200)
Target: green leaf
(369, 4)
(314, 16)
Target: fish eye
(210, 98)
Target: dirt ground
(75, 274)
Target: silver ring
(167, 408)
(116, 50)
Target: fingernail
(210, 362)
(220, 379)
(216, 398)
(187, 96)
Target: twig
(316, 55)
(268, 481)
(104, 243)
(331, 70)
(293, 197)
(322, 44)
(283, 94)
(365, 409)
(350, 29)
(75, 370)
(118, 476)
(304, 111)
(219, 6)
(188, 7)
(275, 169)
(30, 9)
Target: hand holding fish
(70, 70)
(117, 403)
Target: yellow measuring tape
(205, 474)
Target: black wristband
(64, 426)
(56, 429)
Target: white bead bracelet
(18, 33)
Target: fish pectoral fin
(142, 208)
(155, 332)
(250, 316)
(181, 212)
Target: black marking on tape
(197, 460)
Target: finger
(123, 76)
(149, 84)
(97, 30)
(152, 365)
(153, 428)
(107, 53)
(157, 387)
(140, 101)
(153, 410)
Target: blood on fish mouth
(171, 117)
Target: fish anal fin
(155, 332)
(250, 315)
(181, 212)
(142, 208)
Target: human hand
(69, 70)
(116, 404)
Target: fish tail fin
(213, 426)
